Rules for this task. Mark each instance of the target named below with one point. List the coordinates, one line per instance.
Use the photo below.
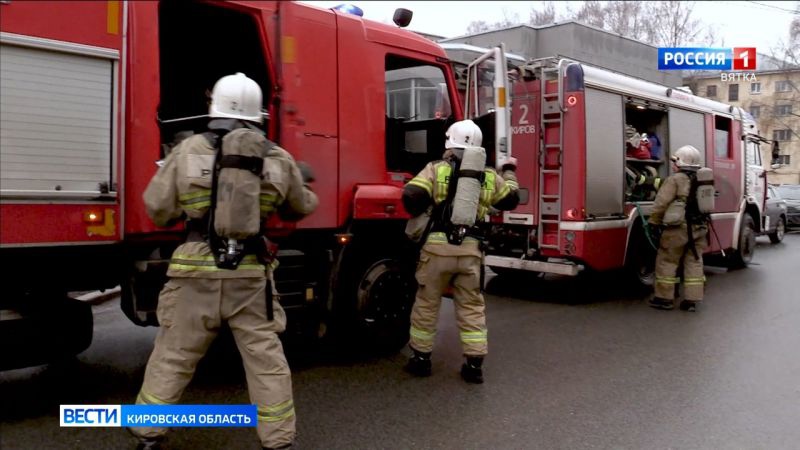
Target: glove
(509, 163)
(306, 172)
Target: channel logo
(679, 58)
(158, 416)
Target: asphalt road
(574, 364)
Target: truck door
(755, 189)
(486, 102)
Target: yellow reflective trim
(668, 280)
(422, 334)
(474, 336)
(276, 413)
(199, 205)
(501, 194)
(418, 183)
(150, 399)
(277, 407)
(174, 266)
(512, 184)
(195, 194)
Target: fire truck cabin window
(722, 141)
(418, 112)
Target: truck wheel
(742, 256)
(372, 308)
(780, 230)
(640, 260)
(51, 331)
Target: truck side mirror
(402, 17)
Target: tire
(374, 296)
(780, 230)
(743, 255)
(640, 260)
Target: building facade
(773, 98)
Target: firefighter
(444, 263)
(683, 234)
(200, 296)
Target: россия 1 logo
(679, 58)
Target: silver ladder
(550, 154)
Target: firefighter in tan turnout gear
(683, 236)
(452, 253)
(222, 272)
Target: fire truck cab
(94, 94)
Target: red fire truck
(586, 189)
(95, 93)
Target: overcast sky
(759, 24)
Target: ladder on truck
(551, 147)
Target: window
(417, 113)
(783, 110)
(783, 86)
(722, 128)
(755, 111)
(711, 90)
(784, 160)
(733, 92)
(412, 93)
(781, 135)
(755, 88)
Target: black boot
(689, 305)
(661, 303)
(419, 365)
(471, 371)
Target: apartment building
(772, 96)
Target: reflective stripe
(196, 200)
(694, 281)
(474, 336)
(149, 399)
(267, 202)
(422, 183)
(421, 334)
(438, 237)
(501, 194)
(443, 171)
(207, 264)
(668, 280)
(512, 184)
(277, 413)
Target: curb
(98, 297)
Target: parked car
(775, 217)
(791, 194)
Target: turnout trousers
(674, 251)
(190, 311)
(434, 273)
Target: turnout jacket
(430, 187)
(182, 189)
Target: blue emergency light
(350, 9)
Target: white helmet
(236, 97)
(463, 134)
(687, 157)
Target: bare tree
(675, 27)
(627, 19)
(591, 12)
(543, 17)
(480, 26)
